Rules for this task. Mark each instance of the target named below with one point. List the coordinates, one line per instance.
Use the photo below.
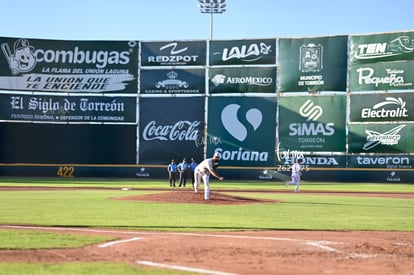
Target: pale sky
(181, 20)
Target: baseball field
(112, 226)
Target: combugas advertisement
(68, 66)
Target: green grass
(81, 269)
(97, 208)
(29, 239)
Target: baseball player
(296, 174)
(203, 171)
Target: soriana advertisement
(68, 66)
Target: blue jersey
(172, 167)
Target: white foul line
(318, 244)
(184, 268)
(118, 242)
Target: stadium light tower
(212, 7)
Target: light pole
(212, 7)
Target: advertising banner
(174, 81)
(243, 52)
(381, 47)
(382, 107)
(173, 53)
(68, 66)
(242, 80)
(285, 159)
(312, 123)
(171, 128)
(381, 138)
(312, 64)
(382, 76)
(91, 144)
(242, 129)
(45, 108)
(381, 161)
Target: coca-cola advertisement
(175, 131)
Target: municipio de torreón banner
(312, 64)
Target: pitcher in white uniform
(203, 171)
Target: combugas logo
(24, 57)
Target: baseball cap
(217, 155)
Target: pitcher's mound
(189, 196)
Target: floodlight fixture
(212, 7)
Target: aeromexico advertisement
(381, 138)
(173, 53)
(174, 81)
(313, 64)
(243, 52)
(310, 123)
(68, 66)
(77, 109)
(242, 129)
(170, 128)
(382, 107)
(242, 80)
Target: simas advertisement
(312, 123)
(242, 129)
(174, 81)
(67, 109)
(242, 80)
(68, 66)
(382, 107)
(243, 52)
(313, 64)
(175, 133)
(173, 53)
